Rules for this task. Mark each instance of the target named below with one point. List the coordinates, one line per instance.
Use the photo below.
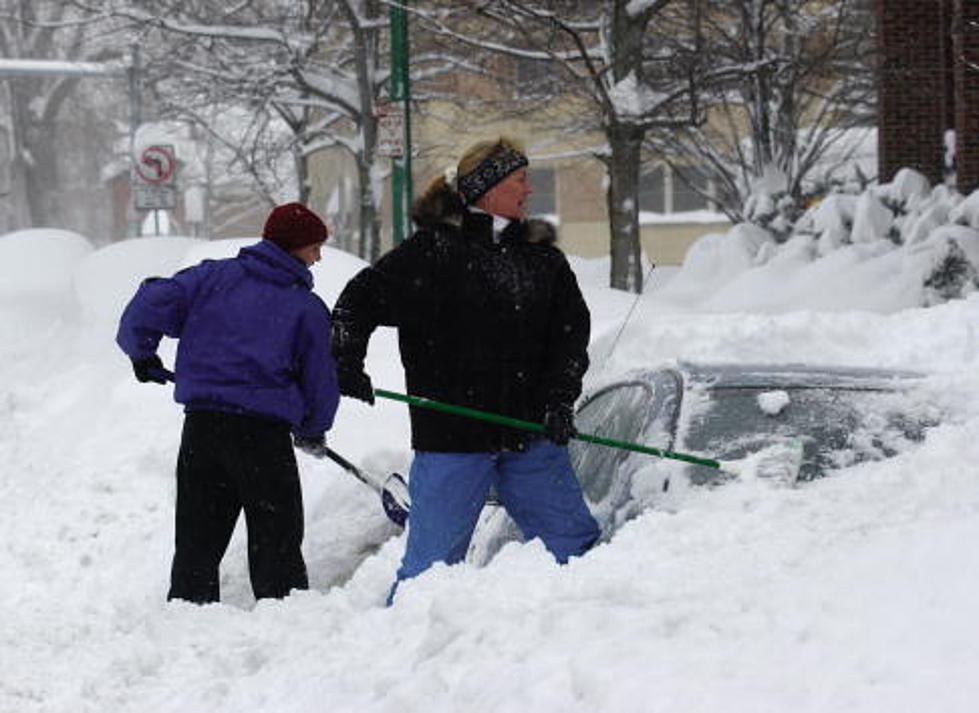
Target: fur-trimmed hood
(444, 206)
(539, 230)
(439, 205)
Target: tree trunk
(625, 142)
(370, 218)
(625, 139)
(36, 156)
(44, 183)
(301, 162)
(33, 170)
(18, 215)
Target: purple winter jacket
(254, 338)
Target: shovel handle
(539, 428)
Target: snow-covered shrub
(952, 275)
(908, 188)
(718, 257)
(872, 220)
(923, 241)
(770, 205)
(966, 212)
(921, 226)
(829, 221)
(948, 262)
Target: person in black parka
(489, 316)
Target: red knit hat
(292, 226)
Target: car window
(641, 410)
(837, 426)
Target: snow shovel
(779, 461)
(393, 489)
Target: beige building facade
(569, 186)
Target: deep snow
(852, 593)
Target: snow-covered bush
(925, 237)
(770, 205)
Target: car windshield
(838, 426)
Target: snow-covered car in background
(841, 415)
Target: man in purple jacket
(253, 363)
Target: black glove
(356, 384)
(313, 445)
(559, 424)
(151, 369)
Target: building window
(652, 189)
(543, 201)
(664, 190)
(689, 191)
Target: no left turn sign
(157, 165)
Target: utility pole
(400, 96)
(134, 228)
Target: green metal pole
(401, 188)
(539, 428)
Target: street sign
(154, 197)
(157, 165)
(390, 130)
(156, 171)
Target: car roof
(775, 376)
(709, 375)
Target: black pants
(228, 462)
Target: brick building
(929, 83)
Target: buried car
(730, 412)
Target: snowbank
(852, 594)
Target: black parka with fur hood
(499, 326)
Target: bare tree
(310, 75)
(805, 79)
(43, 155)
(616, 80)
(305, 73)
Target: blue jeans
(537, 487)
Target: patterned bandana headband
(490, 171)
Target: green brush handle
(539, 428)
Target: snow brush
(781, 460)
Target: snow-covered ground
(852, 593)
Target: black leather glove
(313, 445)
(151, 369)
(559, 424)
(356, 384)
